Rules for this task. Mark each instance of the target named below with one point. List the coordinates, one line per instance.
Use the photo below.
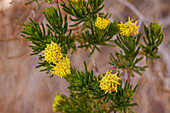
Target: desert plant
(90, 93)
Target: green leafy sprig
(82, 11)
(152, 40)
(57, 32)
(94, 36)
(86, 84)
(130, 47)
(73, 104)
(123, 97)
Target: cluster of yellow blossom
(109, 82)
(129, 28)
(49, 1)
(52, 54)
(101, 22)
(56, 102)
(62, 68)
(75, 0)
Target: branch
(94, 62)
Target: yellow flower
(49, 1)
(75, 0)
(129, 28)
(56, 102)
(62, 68)
(109, 82)
(52, 53)
(101, 22)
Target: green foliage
(152, 40)
(94, 36)
(74, 104)
(128, 60)
(57, 29)
(130, 49)
(60, 28)
(84, 83)
(36, 36)
(129, 45)
(55, 19)
(123, 97)
(82, 11)
(57, 32)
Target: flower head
(75, 0)
(57, 99)
(62, 68)
(49, 1)
(101, 22)
(109, 82)
(129, 28)
(52, 53)
(61, 64)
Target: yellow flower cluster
(75, 0)
(56, 102)
(52, 54)
(109, 82)
(129, 28)
(62, 68)
(101, 22)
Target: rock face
(23, 89)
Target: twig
(94, 63)
(33, 13)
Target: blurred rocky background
(23, 89)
